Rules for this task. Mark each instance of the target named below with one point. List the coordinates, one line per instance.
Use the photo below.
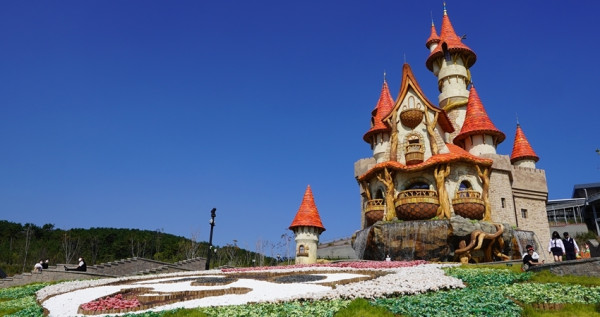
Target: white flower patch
(64, 299)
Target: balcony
(417, 204)
(374, 210)
(468, 204)
(414, 153)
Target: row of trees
(21, 246)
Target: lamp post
(212, 225)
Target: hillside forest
(21, 246)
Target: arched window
(465, 185)
(301, 249)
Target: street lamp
(213, 214)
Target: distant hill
(21, 246)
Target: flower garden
(400, 288)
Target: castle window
(524, 213)
(464, 185)
(302, 251)
(503, 201)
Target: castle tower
(307, 227)
(478, 134)
(522, 153)
(379, 133)
(449, 60)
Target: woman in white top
(556, 247)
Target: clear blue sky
(146, 114)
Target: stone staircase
(123, 267)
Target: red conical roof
(433, 37)
(521, 148)
(307, 215)
(452, 42)
(382, 109)
(477, 121)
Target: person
(82, 267)
(388, 259)
(535, 256)
(38, 266)
(556, 247)
(528, 259)
(585, 253)
(571, 248)
(45, 264)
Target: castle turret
(433, 40)
(379, 133)
(450, 60)
(522, 153)
(307, 227)
(478, 134)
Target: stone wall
(584, 267)
(125, 267)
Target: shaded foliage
(21, 246)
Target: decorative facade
(438, 161)
(307, 228)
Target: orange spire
(382, 109)
(451, 42)
(521, 148)
(477, 121)
(307, 215)
(433, 37)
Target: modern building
(577, 214)
(438, 160)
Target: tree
(28, 232)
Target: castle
(439, 161)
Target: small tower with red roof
(307, 227)
(522, 154)
(478, 134)
(379, 133)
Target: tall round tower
(449, 60)
(307, 228)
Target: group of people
(566, 246)
(558, 247)
(43, 265)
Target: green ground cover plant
(20, 301)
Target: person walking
(556, 247)
(571, 248)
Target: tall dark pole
(213, 214)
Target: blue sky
(147, 114)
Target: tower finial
(431, 14)
(445, 11)
(516, 115)
(404, 58)
(384, 75)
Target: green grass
(361, 307)
(548, 277)
(569, 310)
